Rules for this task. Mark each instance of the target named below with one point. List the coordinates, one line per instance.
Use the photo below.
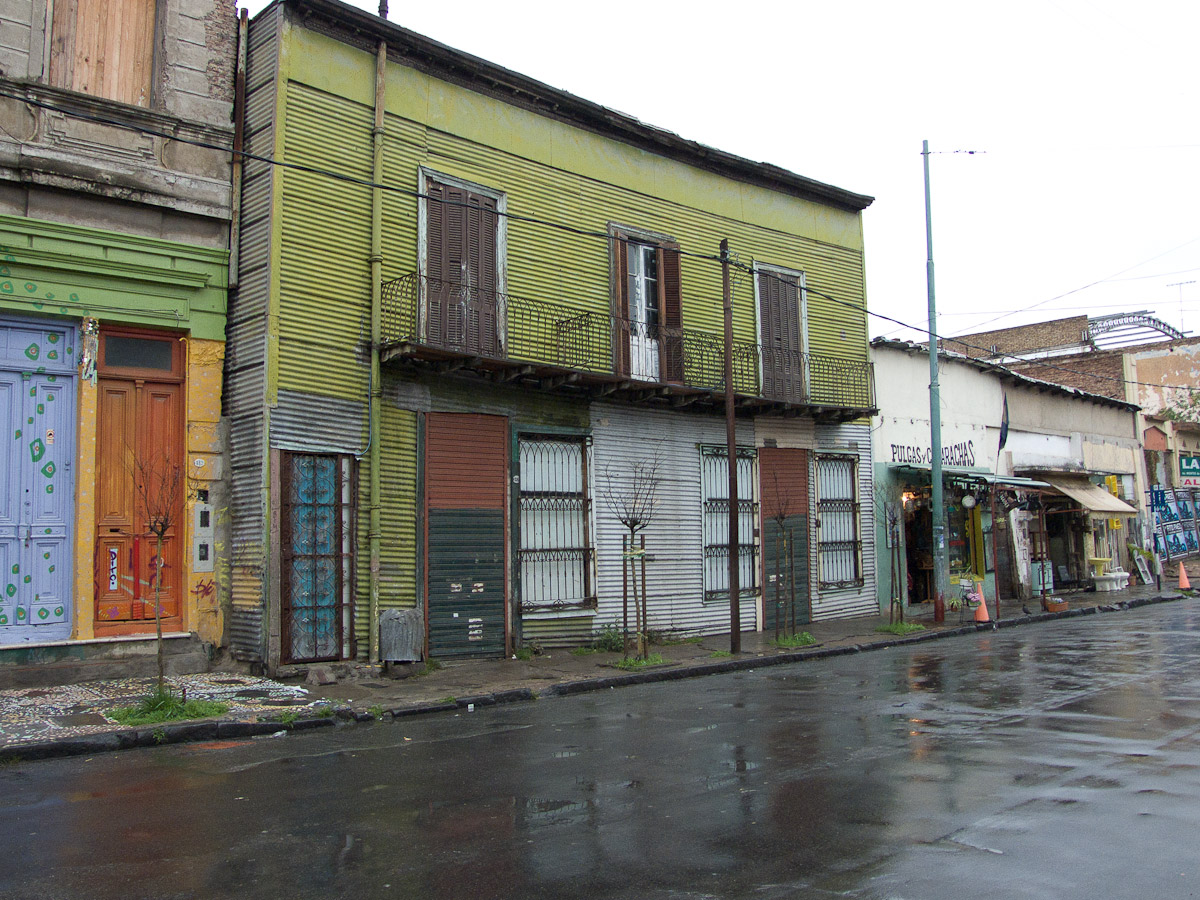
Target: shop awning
(1013, 481)
(1089, 496)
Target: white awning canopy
(1089, 496)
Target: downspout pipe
(239, 137)
(374, 527)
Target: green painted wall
(548, 171)
(398, 543)
(67, 270)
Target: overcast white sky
(1082, 195)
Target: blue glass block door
(314, 544)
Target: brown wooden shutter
(779, 315)
(462, 276)
(670, 306)
(484, 277)
(621, 303)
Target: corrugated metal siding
(538, 253)
(318, 423)
(542, 262)
(245, 359)
(325, 285)
(262, 62)
(854, 438)
(794, 431)
(247, 556)
(398, 518)
(623, 436)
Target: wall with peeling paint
(54, 272)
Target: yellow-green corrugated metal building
(444, 268)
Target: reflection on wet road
(1055, 761)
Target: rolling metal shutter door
(466, 495)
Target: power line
(1089, 285)
(583, 232)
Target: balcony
(550, 346)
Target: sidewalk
(61, 721)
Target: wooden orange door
(140, 479)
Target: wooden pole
(735, 612)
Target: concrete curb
(223, 729)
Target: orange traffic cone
(1184, 584)
(981, 612)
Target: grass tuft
(791, 641)
(631, 664)
(901, 628)
(164, 706)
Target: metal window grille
(839, 548)
(714, 476)
(555, 521)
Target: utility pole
(941, 572)
(735, 610)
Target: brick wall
(1020, 339)
(1099, 372)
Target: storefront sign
(1189, 469)
(960, 454)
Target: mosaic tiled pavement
(49, 713)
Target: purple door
(37, 415)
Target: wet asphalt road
(1053, 761)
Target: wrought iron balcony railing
(435, 317)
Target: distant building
(1133, 357)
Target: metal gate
(466, 475)
(316, 539)
(37, 491)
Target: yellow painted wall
(205, 361)
(85, 513)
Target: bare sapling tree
(631, 494)
(158, 483)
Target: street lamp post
(941, 574)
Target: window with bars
(556, 543)
(714, 477)
(839, 549)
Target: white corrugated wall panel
(793, 431)
(854, 438)
(623, 436)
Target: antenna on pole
(1180, 284)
